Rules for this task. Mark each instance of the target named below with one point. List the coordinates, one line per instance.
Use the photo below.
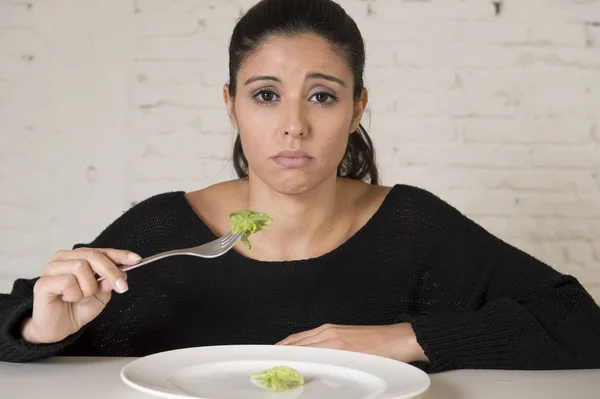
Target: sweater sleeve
(524, 314)
(139, 229)
(14, 309)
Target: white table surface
(99, 378)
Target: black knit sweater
(473, 300)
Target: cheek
(247, 117)
(336, 146)
(335, 134)
(251, 126)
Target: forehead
(295, 55)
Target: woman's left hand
(396, 341)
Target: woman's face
(294, 110)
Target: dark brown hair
(328, 20)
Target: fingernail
(134, 257)
(121, 286)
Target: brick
(528, 131)
(455, 55)
(178, 170)
(165, 118)
(15, 212)
(506, 202)
(182, 146)
(414, 129)
(563, 57)
(543, 92)
(479, 202)
(176, 24)
(20, 40)
(15, 15)
(579, 252)
(193, 48)
(220, 12)
(550, 10)
(592, 34)
(410, 31)
(192, 96)
(560, 204)
(411, 80)
(178, 75)
(517, 180)
(575, 157)
(168, 73)
(449, 104)
(392, 10)
(508, 32)
(551, 230)
(378, 55)
(216, 123)
(185, 6)
(506, 156)
(581, 58)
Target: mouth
(293, 159)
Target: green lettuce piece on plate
(278, 379)
(250, 221)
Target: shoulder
(165, 203)
(418, 198)
(425, 210)
(152, 218)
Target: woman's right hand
(68, 296)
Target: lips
(293, 159)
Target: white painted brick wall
(106, 102)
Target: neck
(301, 223)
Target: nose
(296, 120)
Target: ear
(359, 109)
(228, 99)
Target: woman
(347, 263)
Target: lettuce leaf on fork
(249, 221)
(278, 379)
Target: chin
(292, 186)
(294, 182)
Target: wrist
(417, 350)
(27, 331)
(407, 348)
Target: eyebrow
(314, 75)
(257, 78)
(317, 75)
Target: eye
(324, 98)
(265, 96)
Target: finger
(307, 341)
(102, 265)
(80, 268)
(323, 344)
(118, 256)
(305, 334)
(64, 286)
(121, 256)
(105, 286)
(104, 292)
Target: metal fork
(211, 249)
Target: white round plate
(223, 372)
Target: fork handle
(147, 260)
